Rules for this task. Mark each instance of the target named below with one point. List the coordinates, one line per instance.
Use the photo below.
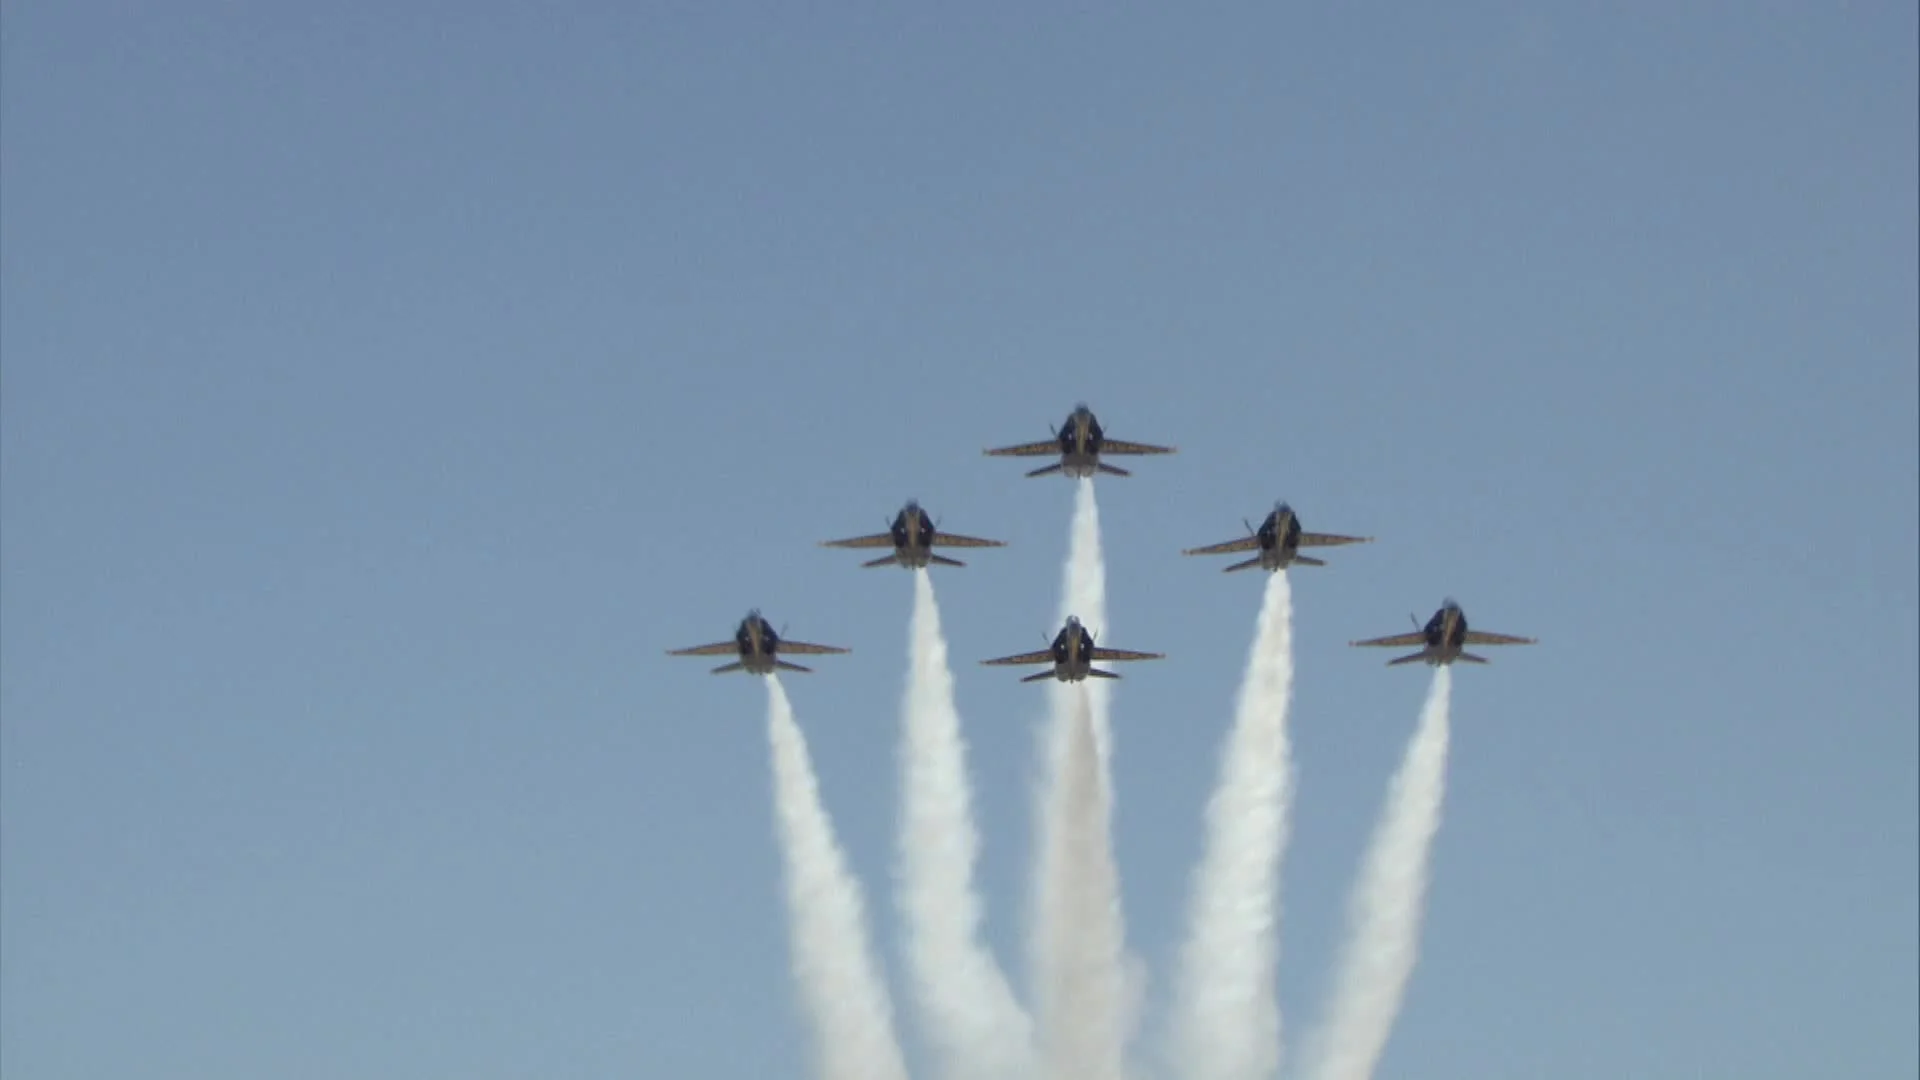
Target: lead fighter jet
(1072, 655)
(913, 538)
(1279, 541)
(756, 644)
(1443, 639)
(1079, 442)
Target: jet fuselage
(1080, 439)
(1446, 634)
(1072, 652)
(758, 643)
(912, 537)
(1279, 538)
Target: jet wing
(1043, 656)
(1308, 539)
(884, 539)
(718, 648)
(1482, 637)
(1123, 654)
(786, 646)
(942, 539)
(1245, 543)
(1110, 446)
(1411, 637)
(1032, 449)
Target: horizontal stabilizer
(1111, 470)
(1098, 674)
(884, 560)
(944, 561)
(1302, 560)
(724, 668)
(1422, 655)
(1037, 678)
(1248, 565)
(1471, 659)
(1054, 468)
(784, 666)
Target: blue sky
(385, 391)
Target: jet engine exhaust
(1078, 947)
(1226, 1022)
(1384, 913)
(972, 1020)
(834, 967)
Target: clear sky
(386, 387)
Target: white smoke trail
(972, 1019)
(833, 963)
(1384, 915)
(1081, 986)
(1086, 597)
(1226, 1024)
(1079, 964)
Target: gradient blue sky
(387, 386)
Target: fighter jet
(756, 644)
(1443, 637)
(1072, 655)
(1079, 442)
(913, 538)
(1279, 541)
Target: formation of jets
(1080, 444)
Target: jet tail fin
(1036, 678)
(1248, 565)
(944, 561)
(1111, 470)
(1045, 470)
(1471, 659)
(1098, 674)
(1408, 659)
(884, 560)
(724, 668)
(784, 666)
(1305, 561)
